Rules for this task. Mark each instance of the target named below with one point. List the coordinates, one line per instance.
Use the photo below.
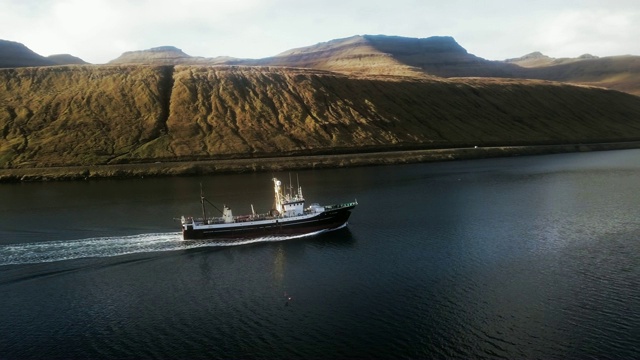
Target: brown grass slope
(87, 115)
(53, 116)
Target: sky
(101, 30)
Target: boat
(288, 217)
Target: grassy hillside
(87, 115)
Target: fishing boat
(288, 217)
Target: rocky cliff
(87, 115)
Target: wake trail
(99, 247)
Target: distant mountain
(66, 59)
(537, 59)
(165, 55)
(444, 57)
(388, 55)
(438, 56)
(533, 59)
(14, 54)
(353, 55)
(382, 55)
(620, 73)
(159, 55)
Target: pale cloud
(101, 30)
(575, 32)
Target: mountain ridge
(384, 55)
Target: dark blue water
(531, 257)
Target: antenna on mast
(290, 186)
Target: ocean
(524, 257)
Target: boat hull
(327, 220)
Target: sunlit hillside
(86, 115)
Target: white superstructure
(289, 204)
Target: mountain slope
(616, 72)
(78, 114)
(87, 115)
(438, 55)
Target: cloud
(106, 28)
(597, 31)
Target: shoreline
(206, 167)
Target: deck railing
(340, 206)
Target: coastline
(204, 167)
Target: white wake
(50, 251)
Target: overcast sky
(101, 30)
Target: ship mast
(204, 212)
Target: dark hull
(328, 220)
